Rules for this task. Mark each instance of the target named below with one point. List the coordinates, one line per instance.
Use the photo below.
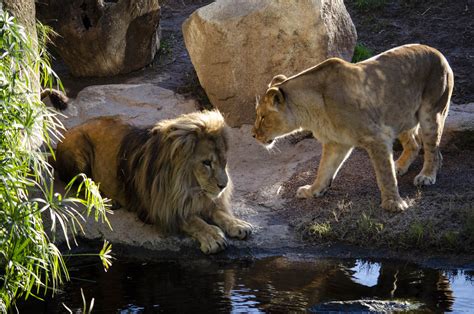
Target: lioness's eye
(207, 163)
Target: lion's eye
(207, 163)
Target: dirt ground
(440, 217)
(446, 25)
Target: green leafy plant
(30, 262)
(368, 226)
(361, 53)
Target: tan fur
(368, 105)
(174, 175)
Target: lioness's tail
(58, 99)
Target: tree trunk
(24, 11)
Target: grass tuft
(361, 53)
(320, 229)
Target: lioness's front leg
(211, 238)
(233, 226)
(380, 153)
(332, 158)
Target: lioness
(367, 104)
(173, 174)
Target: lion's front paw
(401, 169)
(422, 179)
(214, 241)
(394, 205)
(239, 229)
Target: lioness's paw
(394, 205)
(422, 179)
(306, 192)
(213, 241)
(239, 229)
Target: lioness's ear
(277, 80)
(276, 96)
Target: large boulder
(237, 46)
(101, 38)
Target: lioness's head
(273, 119)
(199, 144)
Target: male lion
(172, 174)
(367, 105)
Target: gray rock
(237, 46)
(140, 104)
(101, 38)
(459, 126)
(364, 306)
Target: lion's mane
(155, 168)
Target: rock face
(237, 46)
(101, 38)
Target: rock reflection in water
(269, 285)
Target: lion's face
(209, 166)
(272, 120)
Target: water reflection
(269, 285)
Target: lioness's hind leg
(333, 157)
(411, 148)
(211, 238)
(432, 124)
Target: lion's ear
(277, 98)
(277, 80)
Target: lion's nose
(222, 186)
